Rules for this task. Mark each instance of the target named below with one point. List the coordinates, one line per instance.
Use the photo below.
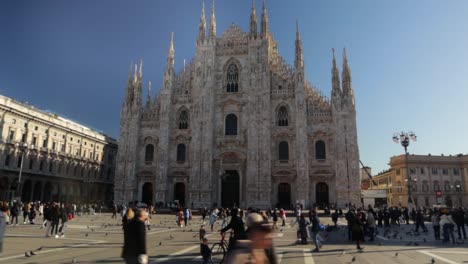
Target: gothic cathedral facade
(237, 126)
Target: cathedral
(238, 126)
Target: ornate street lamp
(22, 146)
(404, 138)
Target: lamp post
(404, 139)
(22, 146)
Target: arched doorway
(179, 193)
(147, 193)
(37, 191)
(321, 192)
(230, 189)
(4, 188)
(284, 195)
(26, 191)
(47, 192)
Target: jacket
(134, 239)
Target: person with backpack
(315, 221)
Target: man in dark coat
(134, 250)
(237, 226)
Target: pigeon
(74, 260)
(26, 254)
(380, 244)
(160, 243)
(86, 235)
(106, 234)
(87, 226)
(396, 254)
(92, 230)
(39, 248)
(416, 244)
(432, 260)
(353, 259)
(171, 236)
(281, 230)
(32, 253)
(343, 253)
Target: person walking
(435, 219)
(303, 223)
(213, 217)
(315, 221)
(283, 216)
(371, 223)
(459, 219)
(55, 216)
(64, 219)
(420, 221)
(448, 225)
(134, 249)
(14, 211)
(334, 217)
(114, 211)
(356, 229)
(259, 246)
(203, 213)
(274, 215)
(3, 213)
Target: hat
(255, 221)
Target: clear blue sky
(408, 58)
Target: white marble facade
(239, 126)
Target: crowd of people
(251, 230)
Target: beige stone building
(429, 174)
(61, 160)
(239, 126)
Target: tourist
(134, 249)
(283, 216)
(259, 246)
(448, 225)
(237, 226)
(275, 218)
(315, 221)
(205, 251)
(334, 217)
(459, 218)
(14, 212)
(3, 213)
(420, 221)
(302, 231)
(203, 213)
(63, 218)
(435, 219)
(371, 223)
(213, 217)
(356, 228)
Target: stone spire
(202, 25)
(138, 82)
(336, 90)
(253, 21)
(213, 22)
(265, 26)
(299, 58)
(346, 76)
(148, 97)
(130, 93)
(170, 54)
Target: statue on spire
(253, 21)
(265, 26)
(213, 22)
(346, 76)
(170, 53)
(336, 89)
(299, 58)
(202, 25)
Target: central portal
(230, 189)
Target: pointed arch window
(149, 153)
(231, 124)
(183, 120)
(283, 151)
(232, 79)
(282, 116)
(320, 152)
(181, 149)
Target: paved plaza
(98, 239)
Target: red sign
(439, 194)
